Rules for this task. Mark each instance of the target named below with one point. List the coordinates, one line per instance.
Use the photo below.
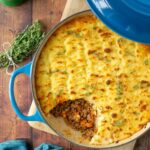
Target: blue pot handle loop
(35, 117)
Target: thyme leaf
(118, 123)
(146, 62)
(119, 90)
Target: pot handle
(35, 117)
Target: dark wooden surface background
(13, 20)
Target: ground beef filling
(79, 114)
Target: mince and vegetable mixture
(79, 114)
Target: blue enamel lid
(129, 18)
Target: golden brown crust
(84, 59)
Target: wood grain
(13, 20)
(50, 12)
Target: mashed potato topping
(84, 59)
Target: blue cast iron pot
(57, 125)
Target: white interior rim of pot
(122, 142)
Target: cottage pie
(83, 59)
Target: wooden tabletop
(13, 20)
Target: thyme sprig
(23, 46)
